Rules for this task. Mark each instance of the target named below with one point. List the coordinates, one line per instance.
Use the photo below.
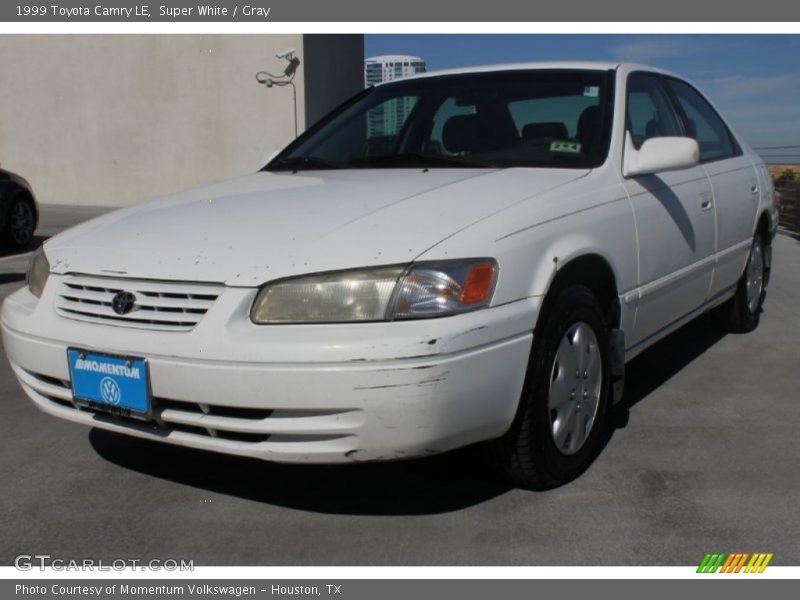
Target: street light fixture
(284, 79)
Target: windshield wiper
(411, 159)
(298, 163)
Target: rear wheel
(562, 417)
(742, 313)
(20, 223)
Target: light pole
(284, 79)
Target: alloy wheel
(575, 384)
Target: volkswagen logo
(110, 391)
(123, 303)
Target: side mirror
(659, 154)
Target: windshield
(533, 118)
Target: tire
(536, 453)
(20, 222)
(742, 313)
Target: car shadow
(659, 363)
(438, 484)
(433, 485)
(36, 242)
(673, 205)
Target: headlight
(327, 298)
(378, 294)
(436, 290)
(38, 272)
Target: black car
(19, 213)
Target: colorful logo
(735, 562)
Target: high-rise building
(379, 69)
(387, 119)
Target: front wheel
(562, 417)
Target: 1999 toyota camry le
(463, 256)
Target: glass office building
(386, 119)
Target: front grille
(159, 305)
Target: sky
(753, 79)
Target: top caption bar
(406, 11)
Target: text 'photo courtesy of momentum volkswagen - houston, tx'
(478, 266)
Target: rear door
(674, 217)
(734, 182)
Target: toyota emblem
(123, 303)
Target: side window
(703, 123)
(649, 110)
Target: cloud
(764, 122)
(785, 114)
(647, 50)
(739, 87)
(762, 108)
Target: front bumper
(293, 393)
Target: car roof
(520, 66)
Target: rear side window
(649, 111)
(703, 123)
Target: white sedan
(458, 257)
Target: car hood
(266, 226)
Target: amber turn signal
(478, 283)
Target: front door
(674, 215)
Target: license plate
(115, 384)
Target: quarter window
(703, 123)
